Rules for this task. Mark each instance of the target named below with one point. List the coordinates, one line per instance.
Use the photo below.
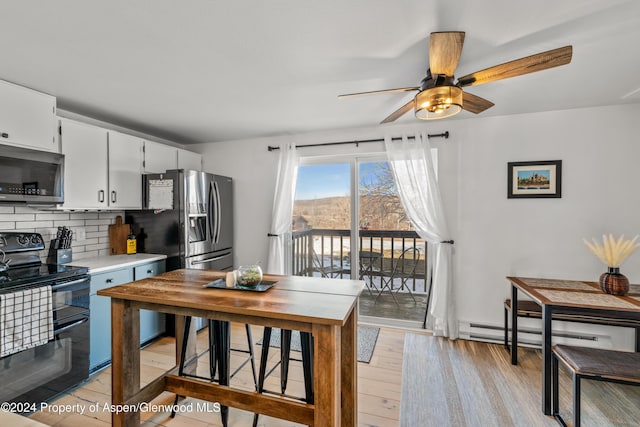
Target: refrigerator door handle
(218, 222)
(210, 217)
(216, 258)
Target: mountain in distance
(376, 213)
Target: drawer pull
(149, 271)
(109, 281)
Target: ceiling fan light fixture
(438, 102)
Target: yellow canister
(131, 244)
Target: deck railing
(325, 252)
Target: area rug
(367, 338)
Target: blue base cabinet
(152, 324)
(100, 338)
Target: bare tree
(380, 206)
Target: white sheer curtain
(415, 178)
(279, 261)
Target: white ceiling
(207, 70)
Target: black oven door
(38, 374)
(70, 299)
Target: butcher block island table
(327, 308)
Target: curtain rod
(444, 135)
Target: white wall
(543, 237)
(495, 236)
(253, 170)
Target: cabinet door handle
(109, 281)
(149, 271)
(101, 196)
(5, 135)
(113, 196)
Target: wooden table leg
(326, 373)
(349, 371)
(125, 359)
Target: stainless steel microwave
(31, 176)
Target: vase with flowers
(612, 252)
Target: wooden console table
(572, 296)
(325, 307)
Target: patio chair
(327, 270)
(403, 268)
(369, 261)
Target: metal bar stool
(306, 344)
(219, 356)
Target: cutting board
(118, 234)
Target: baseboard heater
(527, 337)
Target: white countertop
(113, 262)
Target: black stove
(31, 374)
(20, 263)
(37, 274)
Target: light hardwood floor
(379, 385)
(443, 383)
(474, 384)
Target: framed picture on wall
(541, 179)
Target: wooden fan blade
(444, 52)
(518, 67)
(376, 92)
(399, 112)
(475, 104)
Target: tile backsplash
(90, 229)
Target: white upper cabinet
(85, 168)
(102, 168)
(27, 118)
(158, 158)
(125, 171)
(189, 160)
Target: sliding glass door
(321, 222)
(348, 222)
(392, 256)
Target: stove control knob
(23, 240)
(36, 239)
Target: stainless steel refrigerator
(187, 215)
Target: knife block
(59, 256)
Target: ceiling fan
(439, 97)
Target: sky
(529, 173)
(320, 181)
(327, 180)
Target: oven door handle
(65, 284)
(71, 325)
